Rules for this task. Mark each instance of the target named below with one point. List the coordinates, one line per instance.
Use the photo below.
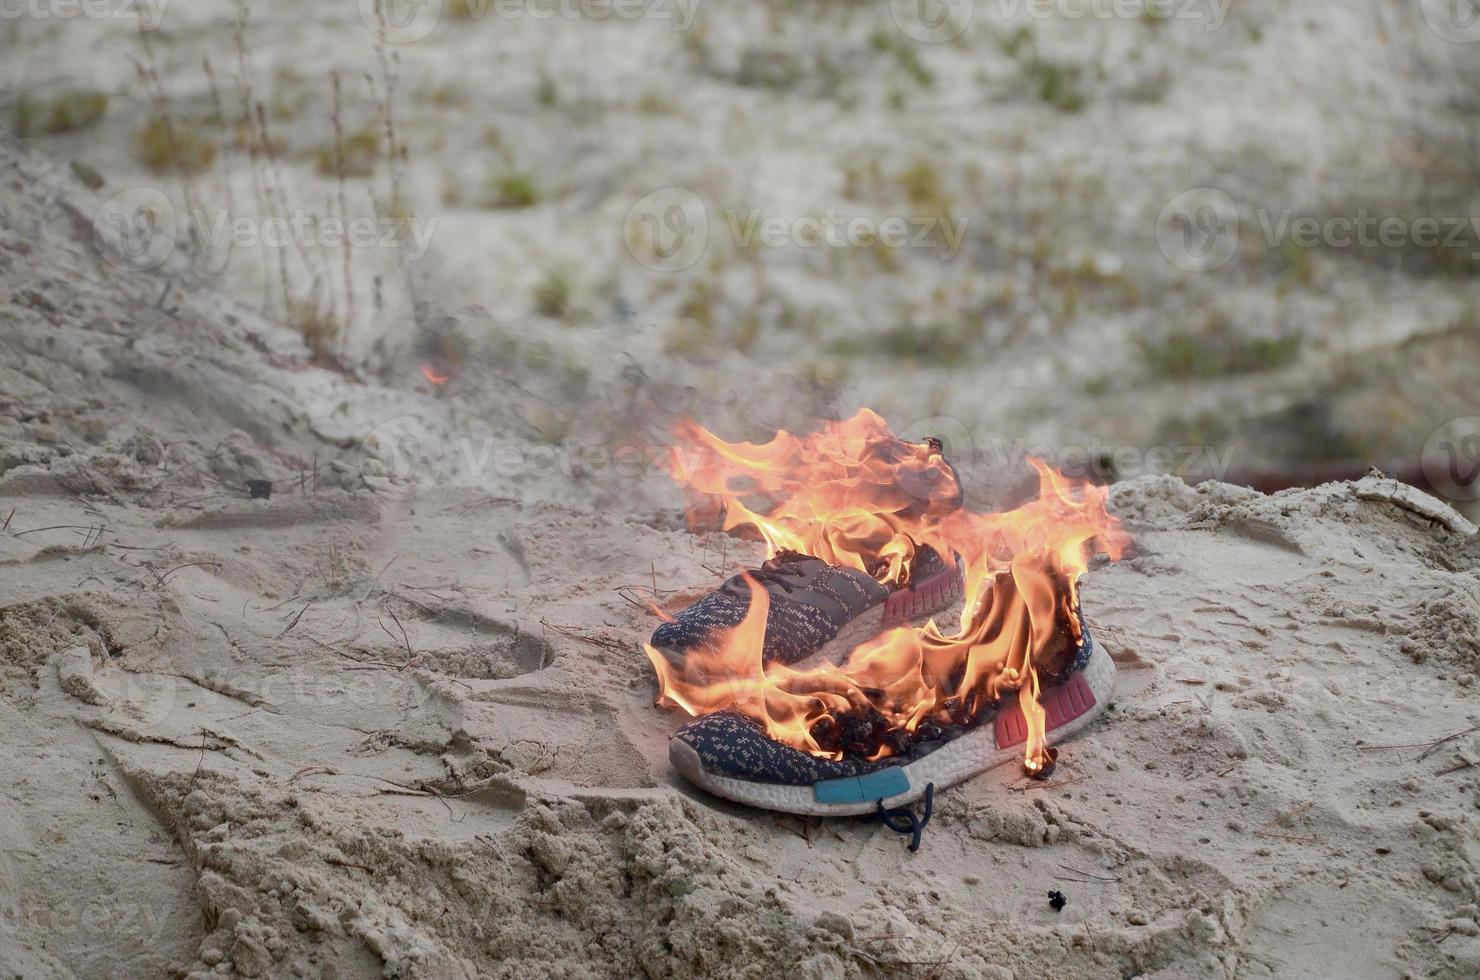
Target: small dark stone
(259, 489)
(89, 177)
(1056, 900)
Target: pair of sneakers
(819, 612)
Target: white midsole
(972, 753)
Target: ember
(853, 494)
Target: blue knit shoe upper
(810, 602)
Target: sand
(396, 720)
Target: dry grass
(552, 294)
(510, 191)
(319, 328)
(359, 153)
(167, 148)
(66, 113)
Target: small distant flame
(435, 376)
(854, 494)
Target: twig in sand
(189, 564)
(1035, 784)
(1428, 747)
(1434, 745)
(198, 763)
(1087, 874)
(805, 833)
(91, 529)
(604, 642)
(941, 963)
(1465, 764)
(296, 618)
(1289, 837)
(404, 638)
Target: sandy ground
(395, 720)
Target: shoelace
(902, 820)
(779, 571)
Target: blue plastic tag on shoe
(857, 789)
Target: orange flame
(853, 494)
(435, 376)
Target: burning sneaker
(914, 708)
(818, 612)
(730, 755)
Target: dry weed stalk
(254, 151)
(336, 116)
(385, 105)
(148, 71)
